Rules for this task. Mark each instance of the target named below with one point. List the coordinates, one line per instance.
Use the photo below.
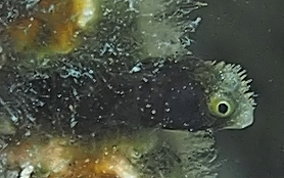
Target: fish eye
(220, 107)
(223, 107)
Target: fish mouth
(239, 125)
(243, 121)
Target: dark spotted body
(153, 94)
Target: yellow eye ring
(220, 107)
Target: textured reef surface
(105, 89)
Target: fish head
(229, 103)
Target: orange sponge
(54, 26)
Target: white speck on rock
(27, 171)
(136, 68)
(148, 105)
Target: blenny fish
(181, 94)
(112, 119)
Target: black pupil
(223, 108)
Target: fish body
(185, 94)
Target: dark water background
(250, 33)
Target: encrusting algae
(54, 26)
(58, 157)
